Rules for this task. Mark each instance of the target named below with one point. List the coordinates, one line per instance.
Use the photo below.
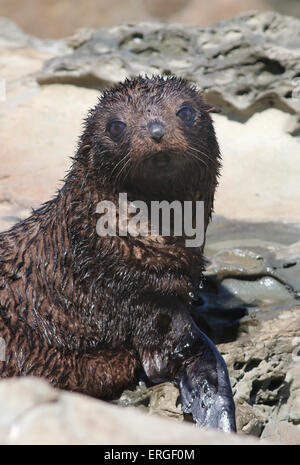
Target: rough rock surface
(244, 283)
(264, 368)
(246, 64)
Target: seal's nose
(156, 131)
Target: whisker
(118, 177)
(201, 152)
(120, 161)
(199, 161)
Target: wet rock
(139, 397)
(290, 411)
(245, 285)
(225, 233)
(18, 398)
(246, 64)
(286, 262)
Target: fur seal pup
(90, 313)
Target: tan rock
(260, 171)
(37, 414)
(248, 420)
(282, 433)
(17, 398)
(39, 136)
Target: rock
(164, 401)
(37, 124)
(245, 64)
(249, 420)
(37, 414)
(17, 398)
(11, 212)
(245, 285)
(282, 433)
(262, 367)
(161, 399)
(48, 124)
(52, 14)
(290, 411)
(203, 13)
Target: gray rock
(18, 398)
(245, 64)
(246, 284)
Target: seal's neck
(154, 263)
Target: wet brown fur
(89, 312)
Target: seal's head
(153, 135)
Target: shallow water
(252, 275)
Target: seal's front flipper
(181, 353)
(205, 386)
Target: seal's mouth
(161, 166)
(170, 161)
(160, 175)
(162, 159)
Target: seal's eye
(187, 115)
(116, 129)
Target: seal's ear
(213, 109)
